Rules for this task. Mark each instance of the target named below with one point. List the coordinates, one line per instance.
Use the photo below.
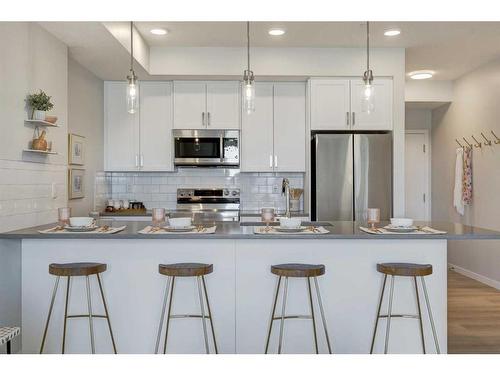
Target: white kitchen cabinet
(381, 117)
(329, 104)
(274, 136)
(143, 141)
(335, 104)
(206, 105)
(257, 132)
(121, 130)
(155, 118)
(290, 127)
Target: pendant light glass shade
(132, 82)
(248, 81)
(368, 97)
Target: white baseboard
(482, 279)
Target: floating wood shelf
(40, 152)
(41, 123)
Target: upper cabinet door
(329, 104)
(190, 105)
(257, 132)
(223, 105)
(290, 127)
(121, 130)
(156, 126)
(381, 117)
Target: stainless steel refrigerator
(351, 172)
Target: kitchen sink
(304, 223)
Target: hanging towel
(467, 177)
(459, 174)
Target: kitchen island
(240, 288)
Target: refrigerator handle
(353, 118)
(347, 118)
(270, 161)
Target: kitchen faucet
(285, 190)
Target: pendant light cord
(367, 45)
(131, 45)
(248, 45)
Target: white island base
(240, 290)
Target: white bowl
(81, 221)
(291, 222)
(179, 222)
(401, 222)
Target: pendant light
(248, 81)
(367, 99)
(133, 84)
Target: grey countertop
(242, 213)
(231, 230)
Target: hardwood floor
(473, 316)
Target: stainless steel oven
(208, 205)
(209, 148)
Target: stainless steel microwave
(206, 148)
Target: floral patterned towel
(467, 177)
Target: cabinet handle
(136, 161)
(347, 118)
(142, 160)
(276, 161)
(270, 161)
(208, 118)
(203, 118)
(353, 118)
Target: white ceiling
(449, 48)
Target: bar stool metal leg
(430, 315)
(162, 316)
(54, 292)
(275, 301)
(91, 322)
(209, 314)
(389, 311)
(107, 314)
(320, 302)
(203, 321)
(9, 350)
(168, 314)
(419, 314)
(378, 313)
(65, 313)
(283, 309)
(312, 315)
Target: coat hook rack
(478, 144)
(456, 140)
(487, 142)
(497, 140)
(466, 141)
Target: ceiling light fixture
(248, 81)
(276, 32)
(421, 74)
(392, 32)
(367, 100)
(133, 84)
(158, 31)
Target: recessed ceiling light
(392, 32)
(159, 31)
(421, 74)
(276, 32)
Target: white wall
(428, 91)
(86, 118)
(33, 59)
(474, 110)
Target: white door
(257, 132)
(381, 117)
(329, 103)
(223, 105)
(121, 130)
(417, 176)
(156, 126)
(290, 127)
(190, 105)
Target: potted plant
(39, 103)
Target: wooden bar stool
(198, 270)
(69, 270)
(405, 270)
(6, 336)
(304, 271)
